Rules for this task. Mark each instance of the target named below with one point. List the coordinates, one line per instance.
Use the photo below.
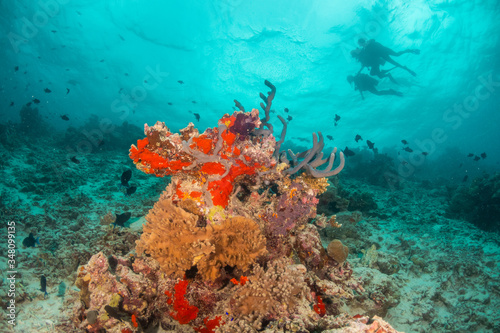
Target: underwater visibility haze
(250, 166)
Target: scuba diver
(373, 54)
(363, 82)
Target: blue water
(94, 72)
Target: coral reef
(478, 203)
(229, 246)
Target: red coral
(319, 308)
(210, 325)
(183, 311)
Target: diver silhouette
(363, 82)
(372, 54)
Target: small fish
(181, 82)
(460, 165)
(102, 60)
(47, 90)
(121, 37)
(348, 152)
(53, 31)
(78, 12)
(404, 163)
(370, 144)
(36, 101)
(28, 104)
(404, 142)
(101, 143)
(131, 190)
(11, 103)
(30, 241)
(115, 313)
(470, 155)
(67, 91)
(289, 118)
(465, 178)
(425, 153)
(121, 219)
(483, 156)
(336, 119)
(197, 116)
(408, 149)
(358, 137)
(329, 137)
(16, 68)
(75, 160)
(64, 117)
(286, 110)
(477, 158)
(126, 74)
(194, 102)
(125, 177)
(43, 285)
(169, 103)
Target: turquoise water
(81, 78)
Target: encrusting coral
(230, 246)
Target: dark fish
(43, 285)
(460, 165)
(126, 175)
(121, 37)
(169, 103)
(197, 116)
(78, 12)
(36, 101)
(75, 160)
(54, 31)
(28, 104)
(404, 142)
(194, 102)
(348, 152)
(337, 118)
(47, 90)
(126, 74)
(101, 143)
(181, 82)
(470, 155)
(358, 137)
(408, 149)
(286, 110)
(483, 156)
(67, 91)
(131, 190)
(122, 218)
(16, 68)
(329, 137)
(11, 103)
(115, 313)
(289, 118)
(370, 144)
(477, 158)
(404, 163)
(102, 60)
(30, 241)
(465, 178)
(64, 117)
(425, 153)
